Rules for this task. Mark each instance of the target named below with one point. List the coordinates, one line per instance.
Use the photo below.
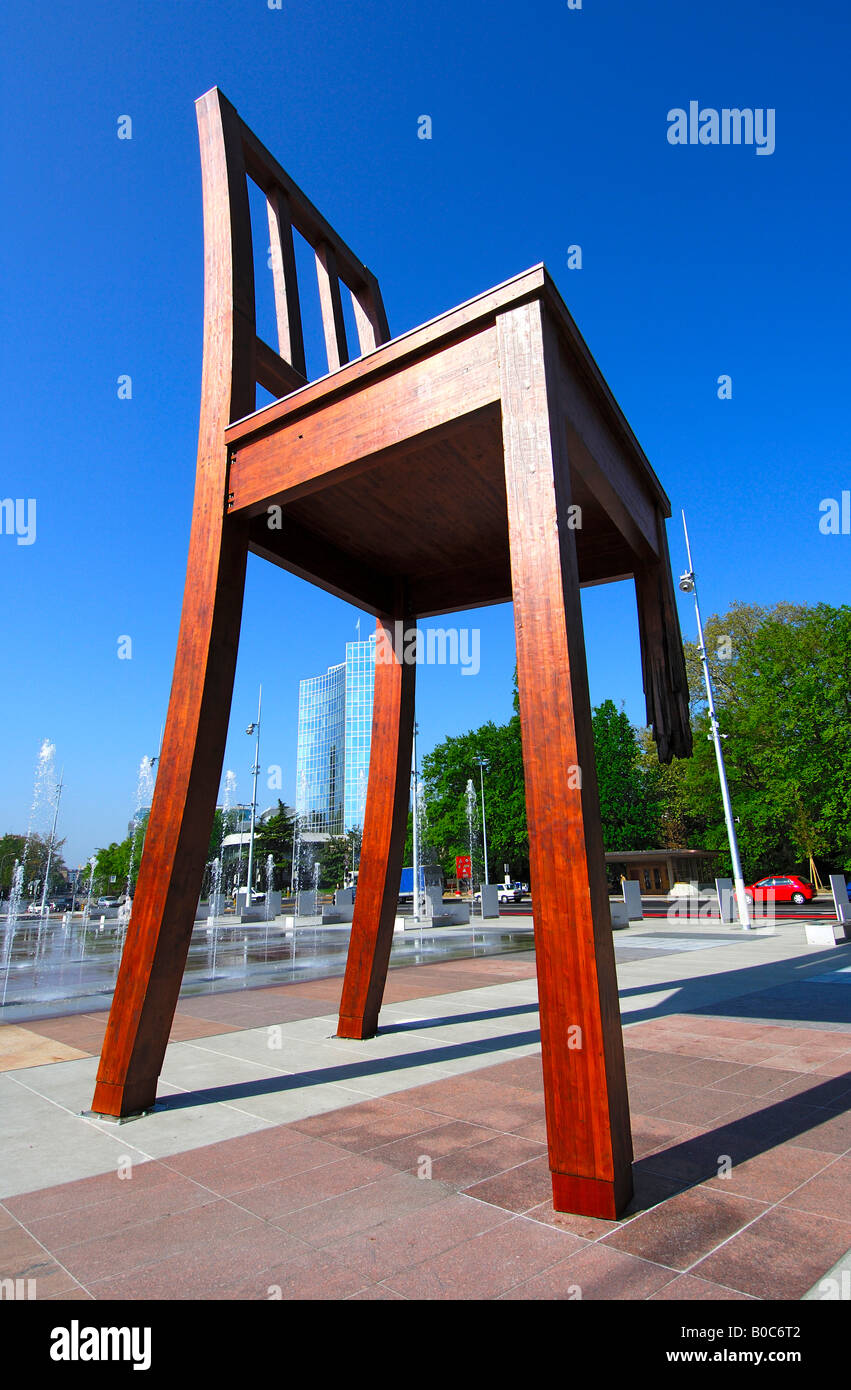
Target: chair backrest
(230, 154)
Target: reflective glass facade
(334, 731)
(360, 686)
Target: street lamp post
(482, 763)
(415, 827)
(688, 585)
(256, 768)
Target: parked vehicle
(781, 889)
(508, 893)
(431, 876)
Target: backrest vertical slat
(285, 277)
(370, 317)
(231, 290)
(331, 304)
(229, 366)
(374, 305)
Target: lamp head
(687, 582)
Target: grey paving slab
(168, 1131)
(68, 1085)
(200, 1068)
(835, 1285)
(285, 1107)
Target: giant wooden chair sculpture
(441, 470)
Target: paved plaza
(284, 1162)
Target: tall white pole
(483, 763)
(416, 787)
(738, 880)
(255, 770)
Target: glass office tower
(334, 733)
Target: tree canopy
(13, 847)
(274, 836)
(782, 681)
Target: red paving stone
(488, 1265)
(408, 1240)
(779, 1256)
(497, 1156)
(273, 1200)
(220, 1175)
(339, 1206)
(596, 1273)
(686, 1287)
(771, 1176)
(826, 1194)
(685, 1228)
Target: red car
(786, 889)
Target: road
(820, 910)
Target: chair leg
(178, 832)
(588, 1130)
(385, 823)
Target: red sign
(462, 866)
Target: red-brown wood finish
(385, 823)
(235, 359)
(184, 801)
(439, 470)
(585, 1092)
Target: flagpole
(688, 585)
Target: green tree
(11, 849)
(333, 862)
(33, 853)
(445, 774)
(782, 678)
(112, 865)
(275, 836)
(676, 826)
(626, 805)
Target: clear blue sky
(549, 129)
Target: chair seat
(391, 468)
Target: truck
(431, 876)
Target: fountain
(11, 920)
(87, 909)
(44, 796)
(216, 908)
(298, 836)
(423, 901)
(270, 878)
(144, 797)
(215, 897)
